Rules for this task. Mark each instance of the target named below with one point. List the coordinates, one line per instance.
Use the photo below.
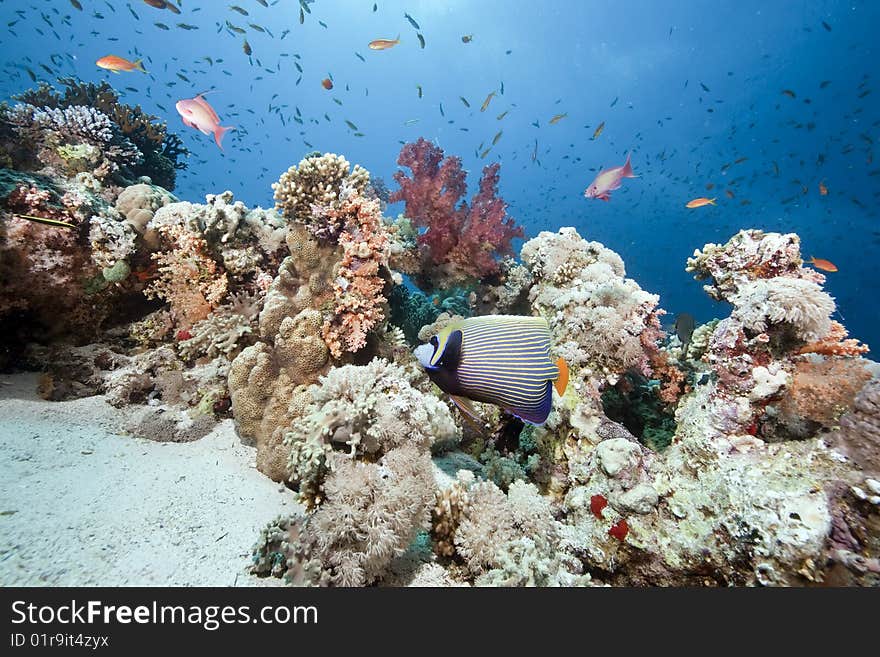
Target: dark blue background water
(552, 57)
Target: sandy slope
(93, 507)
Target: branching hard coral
(77, 138)
(358, 287)
(365, 410)
(188, 278)
(464, 241)
(316, 180)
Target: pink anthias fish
(197, 113)
(609, 180)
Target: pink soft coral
(467, 238)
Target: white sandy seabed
(82, 504)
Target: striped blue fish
(496, 359)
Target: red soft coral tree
(466, 239)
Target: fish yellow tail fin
(139, 65)
(561, 382)
(712, 201)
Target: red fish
(327, 83)
(609, 180)
(620, 530)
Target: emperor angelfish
(496, 359)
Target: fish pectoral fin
(466, 406)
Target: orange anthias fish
(609, 180)
(384, 44)
(823, 190)
(700, 202)
(197, 113)
(327, 83)
(824, 265)
(116, 64)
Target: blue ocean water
(763, 101)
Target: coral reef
(87, 125)
(268, 380)
(462, 242)
(602, 323)
(859, 433)
(750, 457)
(188, 279)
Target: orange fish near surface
(384, 44)
(824, 265)
(700, 202)
(327, 83)
(116, 64)
(823, 190)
